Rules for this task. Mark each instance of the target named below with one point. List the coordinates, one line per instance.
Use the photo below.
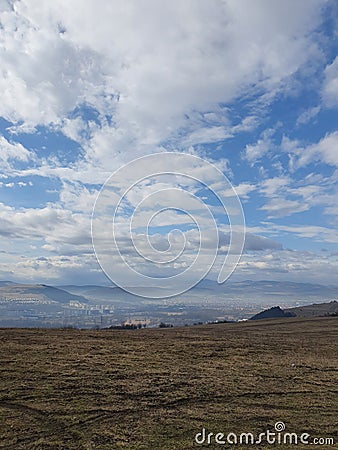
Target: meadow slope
(156, 388)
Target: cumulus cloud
(330, 87)
(12, 152)
(184, 57)
(264, 145)
(325, 151)
(54, 228)
(51, 269)
(288, 265)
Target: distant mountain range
(285, 294)
(245, 292)
(6, 283)
(272, 288)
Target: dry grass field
(157, 388)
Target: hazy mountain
(255, 292)
(5, 283)
(90, 290)
(103, 294)
(274, 288)
(16, 292)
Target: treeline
(134, 326)
(128, 326)
(138, 326)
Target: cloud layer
(89, 85)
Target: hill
(15, 292)
(5, 283)
(159, 388)
(315, 310)
(272, 313)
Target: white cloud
(288, 265)
(55, 229)
(206, 135)
(242, 190)
(10, 152)
(126, 79)
(278, 207)
(285, 195)
(51, 269)
(12, 184)
(264, 145)
(271, 187)
(325, 150)
(314, 232)
(330, 87)
(77, 198)
(308, 115)
(277, 190)
(147, 67)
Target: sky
(250, 87)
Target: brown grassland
(156, 388)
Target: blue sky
(251, 86)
